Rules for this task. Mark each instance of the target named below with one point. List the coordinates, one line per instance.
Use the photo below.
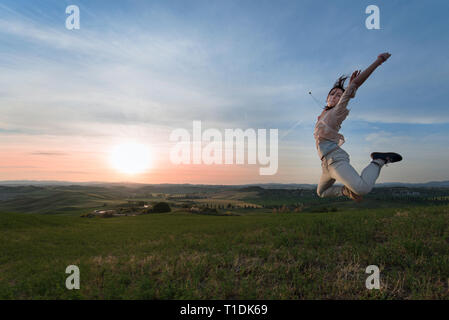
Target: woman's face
(334, 97)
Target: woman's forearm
(360, 79)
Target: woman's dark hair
(339, 84)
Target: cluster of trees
(204, 210)
(424, 200)
(230, 206)
(285, 208)
(143, 207)
(218, 206)
(161, 207)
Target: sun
(130, 158)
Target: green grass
(254, 256)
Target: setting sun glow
(130, 158)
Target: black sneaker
(388, 157)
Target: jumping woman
(334, 160)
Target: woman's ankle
(379, 162)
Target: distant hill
(52, 199)
(430, 184)
(70, 198)
(251, 189)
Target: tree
(161, 207)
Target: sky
(137, 70)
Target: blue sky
(143, 68)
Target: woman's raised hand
(383, 57)
(359, 77)
(354, 75)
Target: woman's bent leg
(371, 173)
(346, 174)
(325, 186)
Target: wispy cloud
(47, 153)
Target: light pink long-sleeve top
(329, 121)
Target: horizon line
(193, 184)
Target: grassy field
(254, 256)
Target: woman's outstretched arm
(359, 78)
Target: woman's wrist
(379, 61)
